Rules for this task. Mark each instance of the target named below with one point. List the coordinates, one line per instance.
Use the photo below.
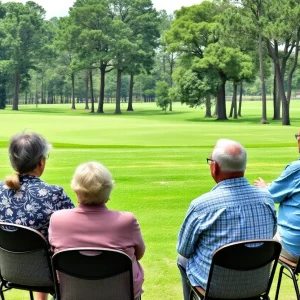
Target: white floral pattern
(33, 204)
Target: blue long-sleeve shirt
(285, 190)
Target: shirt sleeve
(285, 184)
(189, 234)
(138, 239)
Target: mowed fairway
(158, 163)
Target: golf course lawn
(158, 162)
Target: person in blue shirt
(232, 211)
(285, 191)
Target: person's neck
(34, 173)
(225, 176)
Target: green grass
(158, 163)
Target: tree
(92, 19)
(196, 36)
(136, 33)
(277, 30)
(22, 29)
(3, 82)
(195, 88)
(65, 41)
(146, 28)
(162, 95)
(168, 58)
(283, 32)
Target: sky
(59, 8)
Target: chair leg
(31, 295)
(1, 291)
(279, 282)
(194, 296)
(292, 274)
(296, 286)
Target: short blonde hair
(92, 183)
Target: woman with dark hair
(24, 198)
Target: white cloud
(59, 8)
(54, 8)
(171, 5)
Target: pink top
(97, 226)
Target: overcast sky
(58, 8)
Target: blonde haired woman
(92, 224)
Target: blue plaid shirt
(232, 211)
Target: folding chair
(241, 270)
(92, 273)
(24, 260)
(293, 269)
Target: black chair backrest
(24, 257)
(243, 269)
(93, 273)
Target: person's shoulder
(53, 187)
(294, 164)
(203, 201)
(125, 216)
(63, 213)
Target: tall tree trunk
(42, 91)
(171, 78)
(216, 107)
(131, 84)
(240, 100)
(286, 120)
(221, 100)
(261, 69)
(36, 94)
(234, 100)
(281, 93)
(264, 119)
(207, 107)
(26, 95)
(118, 93)
(87, 89)
(276, 98)
(16, 91)
(73, 90)
(92, 92)
(233, 108)
(102, 88)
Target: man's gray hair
(25, 151)
(230, 155)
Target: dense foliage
(122, 50)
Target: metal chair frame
(17, 241)
(293, 269)
(239, 256)
(97, 264)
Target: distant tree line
(121, 50)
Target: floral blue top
(33, 204)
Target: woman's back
(32, 204)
